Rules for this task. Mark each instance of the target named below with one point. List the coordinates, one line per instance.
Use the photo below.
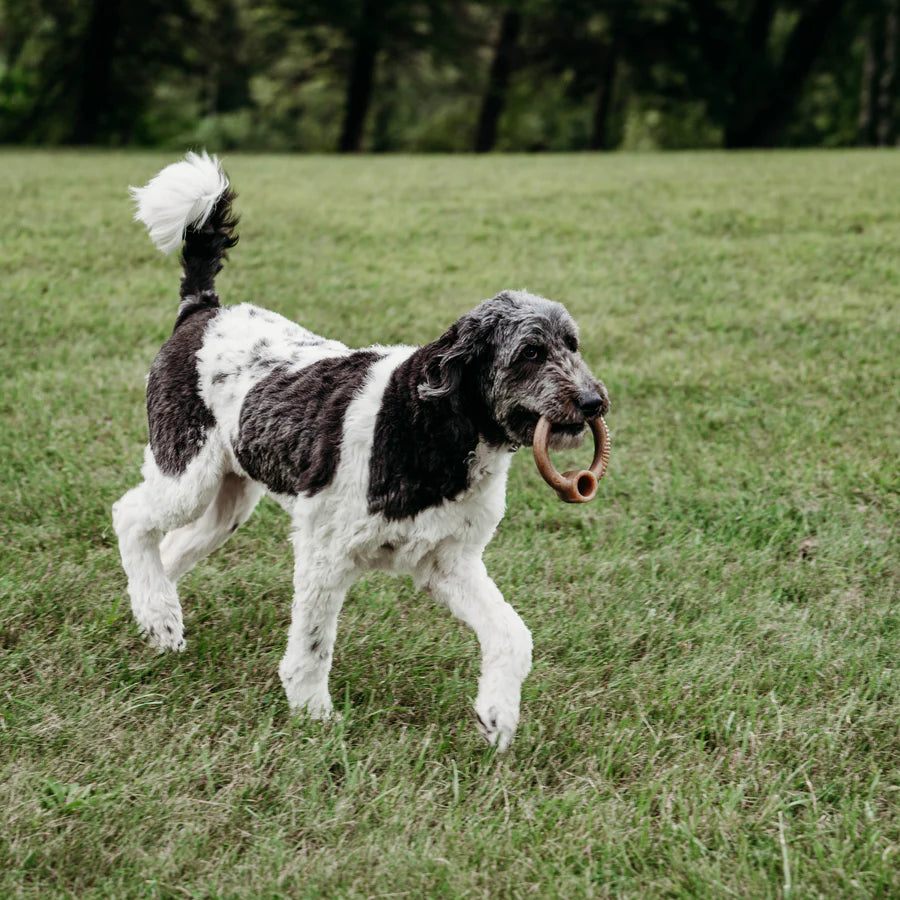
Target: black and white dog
(390, 458)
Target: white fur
(242, 326)
(167, 524)
(180, 196)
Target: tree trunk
(99, 52)
(603, 100)
(382, 139)
(362, 76)
(498, 81)
(764, 127)
(750, 75)
(865, 127)
(885, 133)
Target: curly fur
(390, 458)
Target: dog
(392, 458)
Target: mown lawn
(714, 708)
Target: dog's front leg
(320, 585)
(464, 586)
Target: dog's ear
(446, 360)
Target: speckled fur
(389, 458)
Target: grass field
(714, 708)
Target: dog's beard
(564, 435)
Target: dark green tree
(748, 62)
(876, 122)
(503, 61)
(375, 33)
(84, 73)
(580, 41)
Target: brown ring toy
(577, 486)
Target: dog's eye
(533, 353)
(571, 343)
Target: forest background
(449, 75)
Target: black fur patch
(206, 247)
(177, 416)
(422, 447)
(291, 423)
(204, 300)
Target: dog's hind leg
(184, 547)
(321, 582)
(141, 517)
(463, 585)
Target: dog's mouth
(563, 435)
(572, 429)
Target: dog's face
(522, 353)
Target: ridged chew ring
(578, 486)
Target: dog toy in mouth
(577, 486)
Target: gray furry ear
(444, 361)
(468, 339)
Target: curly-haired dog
(390, 458)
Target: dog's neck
(424, 448)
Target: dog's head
(517, 357)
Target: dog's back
(217, 355)
(387, 457)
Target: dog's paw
(158, 614)
(310, 700)
(166, 634)
(321, 711)
(316, 711)
(496, 725)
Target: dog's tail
(190, 201)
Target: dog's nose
(591, 404)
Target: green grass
(714, 708)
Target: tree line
(449, 75)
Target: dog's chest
(406, 546)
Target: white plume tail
(180, 197)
